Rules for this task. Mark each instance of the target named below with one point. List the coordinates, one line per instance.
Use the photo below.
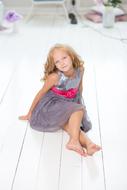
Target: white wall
(24, 5)
(28, 2)
(17, 3)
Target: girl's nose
(62, 63)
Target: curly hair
(50, 67)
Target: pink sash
(71, 93)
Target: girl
(58, 105)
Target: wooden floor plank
(13, 134)
(26, 174)
(93, 173)
(50, 161)
(14, 131)
(70, 169)
(111, 91)
(6, 75)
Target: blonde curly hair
(50, 67)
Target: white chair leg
(66, 12)
(30, 13)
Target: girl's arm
(81, 82)
(50, 81)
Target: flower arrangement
(12, 16)
(113, 3)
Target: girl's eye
(56, 62)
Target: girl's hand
(25, 117)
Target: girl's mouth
(64, 67)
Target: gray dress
(53, 110)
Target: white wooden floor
(30, 160)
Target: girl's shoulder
(54, 77)
(81, 70)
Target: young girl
(58, 105)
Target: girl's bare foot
(87, 144)
(76, 146)
(92, 148)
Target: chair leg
(66, 12)
(30, 14)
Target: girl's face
(62, 60)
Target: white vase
(108, 17)
(15, 27)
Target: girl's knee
(81, 111)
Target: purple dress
(53, 110)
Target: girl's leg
(90, 146)
(85, 141)
(74, 132)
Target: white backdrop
(23, 5)
(28, 2)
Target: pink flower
(113, 3)
(12, 16)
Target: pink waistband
(71, 93)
